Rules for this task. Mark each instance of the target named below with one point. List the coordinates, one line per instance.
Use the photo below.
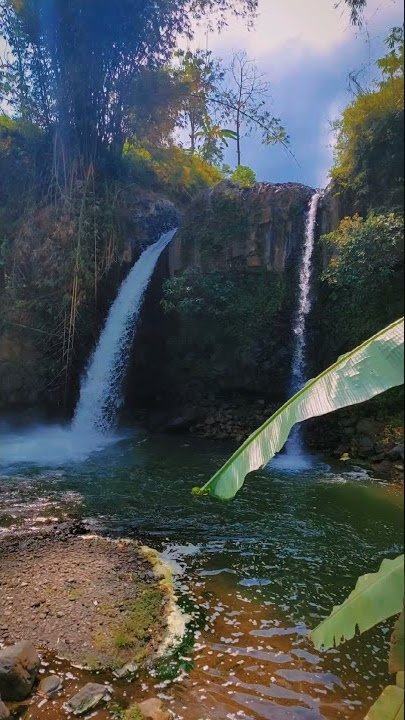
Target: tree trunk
(238, 141)
(192, 135)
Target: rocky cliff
(231, 228)
(215, 341)
(32, 312)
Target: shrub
(244, 176)
(368, 168)
(171, 170)
(363, 285)
(223, 318)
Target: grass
(133, 713)
(130, 639)
(141, 616)
(119, 713)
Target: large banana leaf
(377, 596)
(389, 706)
(375, 366)
(397, 651)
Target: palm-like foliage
(372, 368)
(376, 597)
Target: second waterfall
(298, 365)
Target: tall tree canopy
(368, 168)
(245, 103)
(73, 63)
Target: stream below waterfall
(258, 571)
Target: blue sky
(306, 48)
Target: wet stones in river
(87, 698)
(49, 685)
(153, 710)
(19, 665)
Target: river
(256, 572)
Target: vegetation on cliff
(363, 285)
(368, 170)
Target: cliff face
(31, 353)
(233, 269)
(231, 228)
(219, 333)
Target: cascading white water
(298, 366)
(100, 393)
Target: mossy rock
(134, 713)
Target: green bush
(244, 176)
(171, 170)
(222, 317)
(363, 285)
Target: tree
(155, 103)
(368, 169)
(76, 61)
(356, 10)
(199, 74)
(245, 104)
(214, 138)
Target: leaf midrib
(289, 402)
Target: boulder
(153, 710)
(365, 446)
(86, 699)
(49, 685)
(19, 665)
(368, 427)
(4, 711)
(397, 453)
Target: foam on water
(50, 446)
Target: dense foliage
(363, 284)
(169, 170)
(368, 169)
(222, 319)
(244, 176)
(74, 65)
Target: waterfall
(298, 366)
(101, 387)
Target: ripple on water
(255, 574)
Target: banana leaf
(370, 369)
(389, 706)
(397, 650)
(376, 597)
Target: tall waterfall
(298, 367)
(101, 388)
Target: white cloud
(296, 25)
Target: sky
(306, 49)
